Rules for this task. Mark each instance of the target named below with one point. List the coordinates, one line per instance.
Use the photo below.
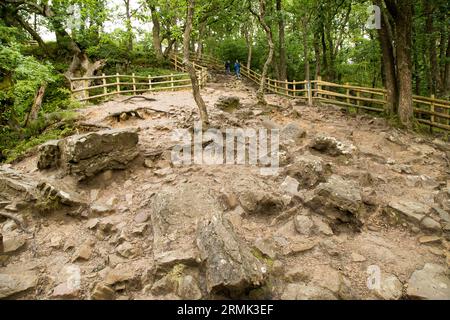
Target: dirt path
(387, 166)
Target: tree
(190, 65)
(261, 16)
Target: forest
(43, 43)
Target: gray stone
(303, 224)
(11, 284)
(430, 224)
(265, 246)
(15, 186)
(340, 200)
(260, 202)
(332, 146)
(175, 227)
(48, 155)
(308, 170)
(230, 266)
(102, 292)
(290, 185)
(228, 103)
(84, 156)
(321, 226)
(409, 210)
(188, 289)
(296, 291)
(291, 133)
(11, 245)
(429, 283)
(390, 288)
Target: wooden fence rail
(95, 87)
(427, 110)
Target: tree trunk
(201, 34)
(384, 36)
(436, 85)
(190, 66)
(403, 17)
(447, 70)
(282, 43)
(317, 57)
(261, 18)
(129, 26)
(37, 103)
(156, 30)
(249, 41)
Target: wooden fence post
(105, 89)
(348, 93)
(86, 88)
(118, 82)
(358, 94)
(319, 86)
(171, 82)
(176, 62)
(309, 92)
(134, 83)
(432, 119)
(286, 86)
(149, 83)
(294, 87)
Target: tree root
(18, 221)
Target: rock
(290, 185)
(228, 103)
(188, 289)
(163, 172)
(56, 194)
(11, 284)
(303, 224)
(48, 155)
(229, 200)
(308, 170)
(92, 223)
(83, 253)
(339, 200)
(260, 202)
(118, 275)
(65, 291)
(99, 209)
(11, 245)
(15, 187)
(266, 247)
(230, 266)
(321, 226)
(165, 285)
(331, 146)
(430, 224)
(85, 155)
(174, 227)
(429, 239)
(291, 133)
(409, 210)
(127, 250)
(390, 288)
(142, 216)
(296, 291)
(102, 292)
(298, 247)
(429, 283)
(356, 257)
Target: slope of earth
(358, 210)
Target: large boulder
(231, 268)
(12, 283)
(85, 155)
(430, 283)
(309, 170)
(48, 155)
(339, 200)
(174, 215)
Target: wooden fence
(95, 87)
(427, 110)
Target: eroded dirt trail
(351, 193)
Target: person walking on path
(228, 67)
(237, 69)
